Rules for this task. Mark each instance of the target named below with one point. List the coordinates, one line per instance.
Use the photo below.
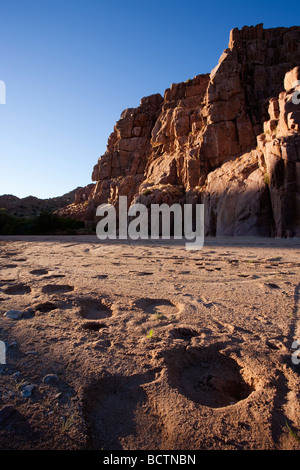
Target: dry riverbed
(149, 346)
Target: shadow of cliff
(230, 241)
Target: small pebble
(50, 379)
(27, 391)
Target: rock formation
(32, 206)
(229, 139)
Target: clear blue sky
(72, 66)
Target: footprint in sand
(45, 307)
(183, 333)
(94, 309)
(55, 276)
(18, 289)
(93, 326)
(39, 272)
(271, 285)
(206, 303)
(144, 273)
(118, 414)
(6, 281)
(207, 376)
(56, 288)
(156, 306)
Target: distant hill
(32, 206)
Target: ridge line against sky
(72, 67)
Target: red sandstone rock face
(259, 192)
(229, 139)
(129, 146)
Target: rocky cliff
(229, 139)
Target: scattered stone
(13, 314)
(50, 379)
(26, 392)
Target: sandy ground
(148, 345)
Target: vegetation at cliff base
(46, 223)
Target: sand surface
(149, 346)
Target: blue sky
(72, 66)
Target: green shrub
(266, 179)
(147, 192)
(48, 223)
(45, 223)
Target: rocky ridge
(32, 206)
(229, 139)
